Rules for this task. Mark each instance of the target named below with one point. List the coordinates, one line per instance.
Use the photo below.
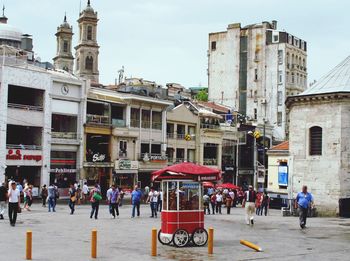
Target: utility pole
(255, 165)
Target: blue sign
(189, 185)
(283, 175)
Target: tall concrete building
(253, 69)
(64, 59)
(87, 49)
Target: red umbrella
(208, 184)
(227, 186)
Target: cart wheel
(181, 238)
(200, 237)
(163, 239)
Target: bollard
(211, 241)
(251, 245)
(154, 242)
(29, 245)
(94, 243)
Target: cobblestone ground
(60, 236)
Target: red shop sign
(18, 156)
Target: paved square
(60, 236)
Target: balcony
(27, 115)
(210, 162)
(209, 126)
(64, 135)
(23, 147)
(97, 119)
(118, 123)
(25, 107)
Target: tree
(202, 95)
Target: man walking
(135, 201)
(160, 201)
(72, 198)
(249, 205)
(113, 196)
(3, 195)
(304, 200)
(44, 195)
(52, 198)
(14, 203)
(85, 192)
(153, 200)
(95, 200)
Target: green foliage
(202, 95)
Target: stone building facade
(319, 140)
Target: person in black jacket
(3, 198)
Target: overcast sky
(166, 40)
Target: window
(315, 142)
(275, 37)
(65, 46)
(287, 77)
(135, 118)
(123, 146)
(89, 33)
(255, 114)
(279, 97)
(280, 77)
(279, 118)
(213, 45)
(280, 56)
(89, 61)
(256, 74)
(290, 40)
(296, 42)
(293, 78)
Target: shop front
(125, 173)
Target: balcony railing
(97, 119)
(135, 123)
(23, 147)
(180, 136)
(64, 135)
(210, 162)
(118, 123)
(170, 135)
(145, 124)
(209, 126)
(156, 125)
(123, 154)
(25, 107)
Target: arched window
(89, 61)
(89, 33)
(315, 141)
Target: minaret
(86, 54)
(64, 58)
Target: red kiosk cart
(182, 213)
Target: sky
(167, 40)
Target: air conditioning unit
(263, 101)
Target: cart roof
(187, 170)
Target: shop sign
(246, 172)
(158, 158)
(207, 178)
(18, 156)
(189, 186)
(98, 157)
(229, 168)
(63, 170)
(127, 164)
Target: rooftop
(282, 146)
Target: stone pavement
(60, 236)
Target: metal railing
(118, 123)
(64, 135)
(25, 107)
(156, 125)
(97, 119)
(23, 147)
(145, 124)
(210, 162)
(209, 126)
(170, 135)
(135, 123)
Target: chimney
(274, 24)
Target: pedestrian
(85, 191)
(240, 196)
(219, 200)
(108, 199)
(78, 194)
(249, 205)
(304, 201)
(29, 197)
(229, 201)
(121, 197)
(72, 198)
(44, 195)
(213, 202)
(265, 203)
(136, 196)
(57, 194)
(95, 201)
(146, 193)
(52, 197)
(3, 198)
(206, 202)
(259, 198)
(14, 203)
(113, 201)
(160, 201)
(153, 200)
(210, 191)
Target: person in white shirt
(160, 201)
(218, 202)
(14, 203)
(153, 200)
(85, 192)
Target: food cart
(182, 215)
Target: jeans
(218, 207)
(213, 207)
(154, 209)
(95, 206)
(160, 205)
(137, 206)
(302, 216)
(13, 209)
(114, 209)
(52, 204)
(263, 208)
(71, 205)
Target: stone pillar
(128, 116)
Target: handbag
(19, 210)
(97, 197)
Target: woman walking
(95, 201)
(44, 194)
(72, 198)
(229, 201)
